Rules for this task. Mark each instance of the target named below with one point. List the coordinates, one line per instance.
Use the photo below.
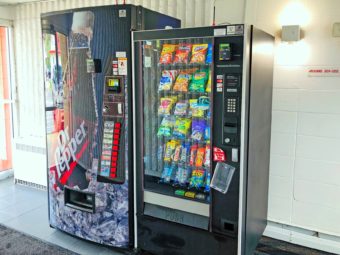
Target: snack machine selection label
(106, 148)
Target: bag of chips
(207, 183)
(166, 104)
(160, 156)
(181, 108)
(167, 79)
(203, 103)
(169, 150)
(198, 53)
(207, 156)
(167, 53)
(182, 82)
(208, 88)
(185, 153)
(168, 173)
(198, 81)
(193, 152)
(182, 176)
(198, 129)
(208, 114)
(177, 153)
(209, 54)
(166, 126)
(207, 133)
(194, 108)
(200, 156)
(182, 53)
(182, 126)
(197, 178)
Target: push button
(234, 155)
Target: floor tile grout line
(18, 216)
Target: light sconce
(291, 33)
(336, 30)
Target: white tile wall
(317, 193)
(283, 144)
(284, 122)
(305, 152)
(281, 186)
(314, 124)
(324, 101)
(286, 77)
(320, 148)
(316, 83)
(316, 217)
(279, 209)
(281, 166)
(317, 171)
(285, 99)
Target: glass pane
(54, 59)
(71, 115)
(177, 111)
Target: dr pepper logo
(66, 155)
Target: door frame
(10, 99)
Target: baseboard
(6, 174)
(30, 184)
(303, 237)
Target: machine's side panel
(155, 20)
(260, 102)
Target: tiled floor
(25, 209)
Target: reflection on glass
(71, 117)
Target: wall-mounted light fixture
(336, 29)
(291, 33)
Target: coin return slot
(230, 128)
(79, 200)
(229, 227)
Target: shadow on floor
(269, 246)
(14, 242)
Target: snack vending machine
(203, 120)
(87, 72)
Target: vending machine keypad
(231, 105)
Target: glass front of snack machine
(177, 116)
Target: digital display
(224, 51)
(113, 83)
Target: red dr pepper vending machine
(87, 71)
(203, 123)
